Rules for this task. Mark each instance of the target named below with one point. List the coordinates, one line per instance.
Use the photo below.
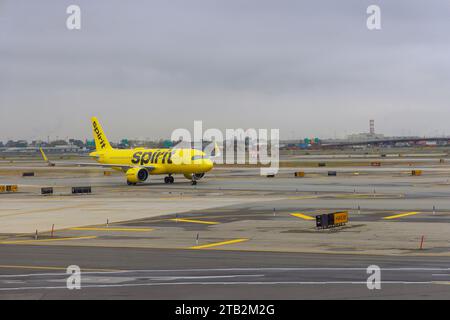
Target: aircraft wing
(93, 164)
(123, 167)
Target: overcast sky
(145, 68)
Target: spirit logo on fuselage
(143, 158)
(99, 135)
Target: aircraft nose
(209, 164)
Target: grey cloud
(306, 67)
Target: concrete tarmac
(114, 273)
(233, 236)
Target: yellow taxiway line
(193, 221)
(112, 229)
(216, 244)
(302, 216)
(401, 215)
(46, 240)
(176, 197)
(302, 197)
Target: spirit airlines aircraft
(139, 163)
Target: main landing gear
(169, 179)
(193, 180)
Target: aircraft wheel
(167, 180)
(129, 183)
(194, 183)
(171, 179)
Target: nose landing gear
(194, 177)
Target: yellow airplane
(139, 163)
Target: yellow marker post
(401, 215)
(193, 221)
(216, 244)
(302, 216)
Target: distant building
(366, 136)
(77, 143)
(17, 144)
(38, 143)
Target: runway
(114, 273)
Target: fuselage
(162, 161)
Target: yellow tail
(101, 142)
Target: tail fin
(101, 142)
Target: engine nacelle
(196, 176)
(135, 175)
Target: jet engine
(135, 175)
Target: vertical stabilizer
(101, 141)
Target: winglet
(43, 155)
(45, 158)
(216, 150)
